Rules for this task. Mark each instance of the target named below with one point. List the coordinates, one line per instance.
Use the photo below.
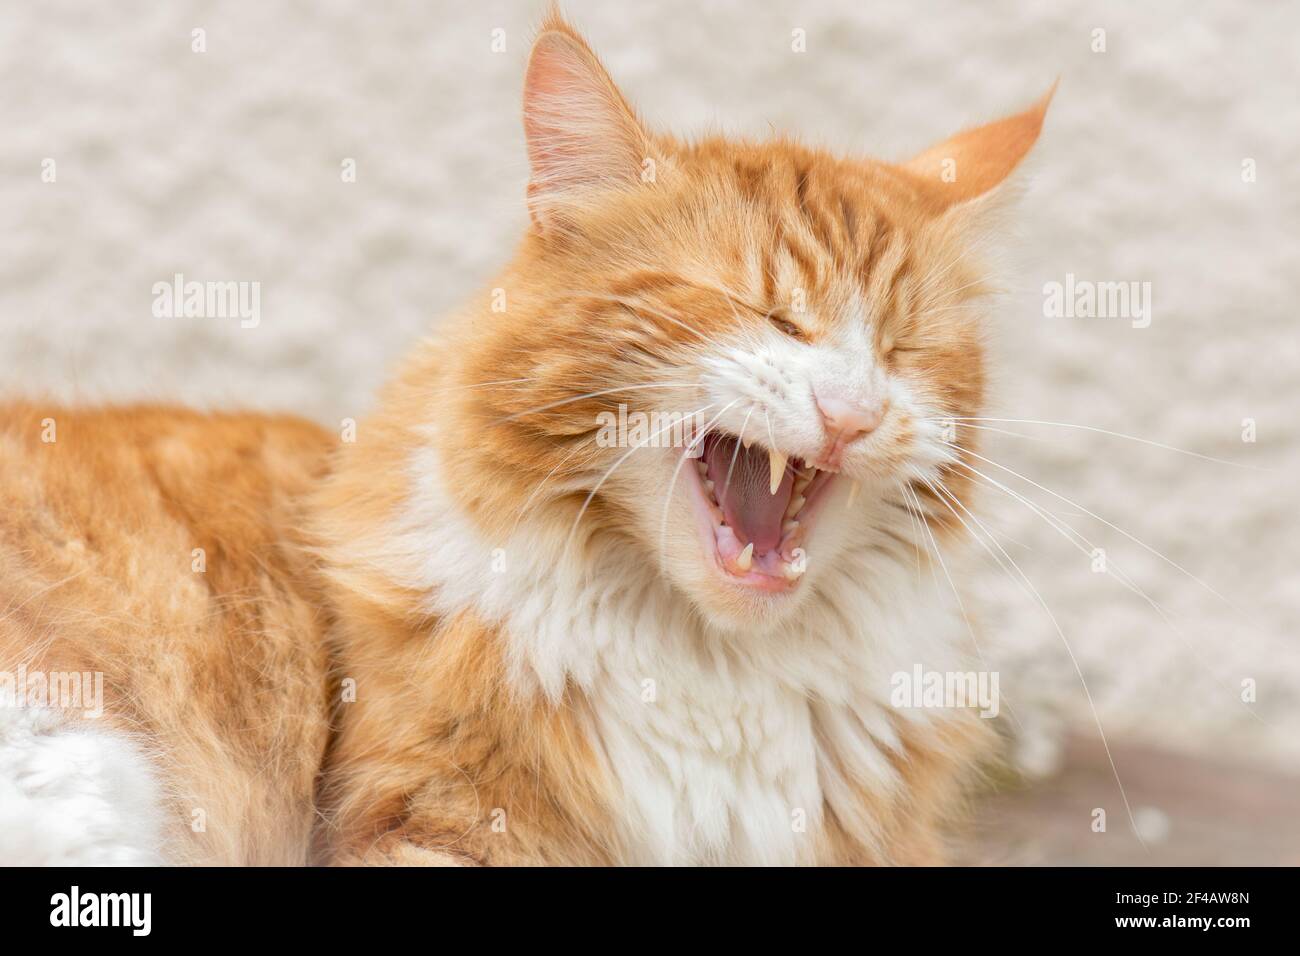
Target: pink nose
(846, 421)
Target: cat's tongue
(750, 508)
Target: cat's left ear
(970, 166)
(582, 135)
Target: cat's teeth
(776, 461)
(796, 503)
(853, 491)
(709, 485)
(789, 526)
(745, 559)
(791, 572)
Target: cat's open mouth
(757, 508)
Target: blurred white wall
(226, 165)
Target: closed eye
(786, 327)
(890, 345)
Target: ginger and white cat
(478, 633)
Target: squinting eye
(786, 326)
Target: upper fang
(776, 461)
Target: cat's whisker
(668, 498)
(1029, 585)
(1003, 431)
(1101, 431)
(732, 298)
(770, 437)
(1074, 504)
(936, 278)
(963, 288)
(541, 484)
(1088, 548)
(912, 519)
(595, 394)
(622, 458)
(504, 381)
(931, 314)
(961, 605)
(635, 306)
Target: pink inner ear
(580, 131)
(549, 78)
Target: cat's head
(734, 360)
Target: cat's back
(236, 479)
(156, 553)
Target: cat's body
(534, 648)
(595, 717)
(159, 548)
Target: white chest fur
(726, 753)
(722, 748)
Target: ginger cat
(482, 633)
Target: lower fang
(791, 571)
(745, 559)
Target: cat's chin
(748, 613)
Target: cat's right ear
(582, 135)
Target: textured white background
(225, 165)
